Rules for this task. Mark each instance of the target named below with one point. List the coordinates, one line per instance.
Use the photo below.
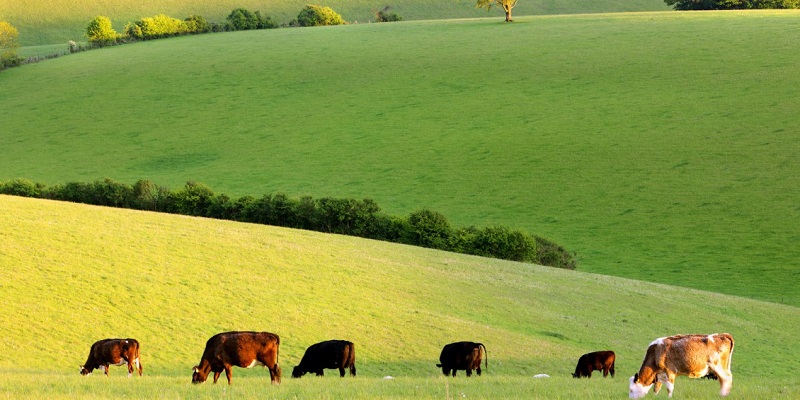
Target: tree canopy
(9, 43)
(507, 5)
(100, 31)
(731, 4)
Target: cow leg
(612, 370)
(725, 379)
(228, 373)
(454, 372)
(469, 372)
(353, 370)
(216, 375)
(341, 372)
(105, 369)
(670, 383)
(605, 372)
(130, 369)
(478, 371)
(320, 372)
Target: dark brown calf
(596, 361)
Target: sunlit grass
(71, 274)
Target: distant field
(71, 274)
(659, 146)
(58, 21)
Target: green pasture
(71, 274)
(58, 21)
(658, 146)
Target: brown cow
(462, 355)
(113, 352)
(241, 349)
(596, 361)
(330, 354)
(695, 356)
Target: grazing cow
(596, 361)
(695, 356)
(113, 352)
(241, 349)
(462, 355)
(331, 354)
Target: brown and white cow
(694, 356)
(241, 349)
(462, 355)
(595, 361)
(113, 352)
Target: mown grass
(71, 274)
(658, 146)
(51, 22)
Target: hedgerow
(362, 218)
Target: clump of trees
(313, 15)
(386, 16)
(362, 218)
(731, 4)
(9, 44)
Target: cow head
(198, 376)
(298, 372)
(637, 389)
(85, 371)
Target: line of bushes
(362, 218)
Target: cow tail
(486, 358)
(730, 356)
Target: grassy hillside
(653, 154)
(71, 274)
(49, 21)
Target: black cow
(596, 361)
(113, 352)
(330, 354)
(241, 349)
(462, 355)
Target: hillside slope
(49, 22)
(624, 140)
(71, 274)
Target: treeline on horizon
(361, 218)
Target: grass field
(71, 274)
(58, 21)
(658, 146)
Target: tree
(241, 19)
(100, 31)
(731, 4)
(313, 15)
(507, 5)
(9, 43)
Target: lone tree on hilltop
(506, 4)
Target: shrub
(100, 32)
(9, 43)
(21, 187)
(160, 26)
(501, 242)
(194, 199)
(385, 16)
(554, 255)
(313, 15)
(430, 229)
(196, 24)
(242, 19)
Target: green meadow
(657, 146)
(58, 21)
(70, 274)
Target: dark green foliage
(22, 187)
(313, 15)
(362, 218)
(505, 243)
(731, 4)
(385, 16)
(241, 19)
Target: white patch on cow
(637, 390)
(541, 376)
(136, 362)
(711, 338)
(670, 386)
(120, 362)
(658, 341)
(254, 363)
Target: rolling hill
(658, 146)
(71, 274)
(43, 22)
